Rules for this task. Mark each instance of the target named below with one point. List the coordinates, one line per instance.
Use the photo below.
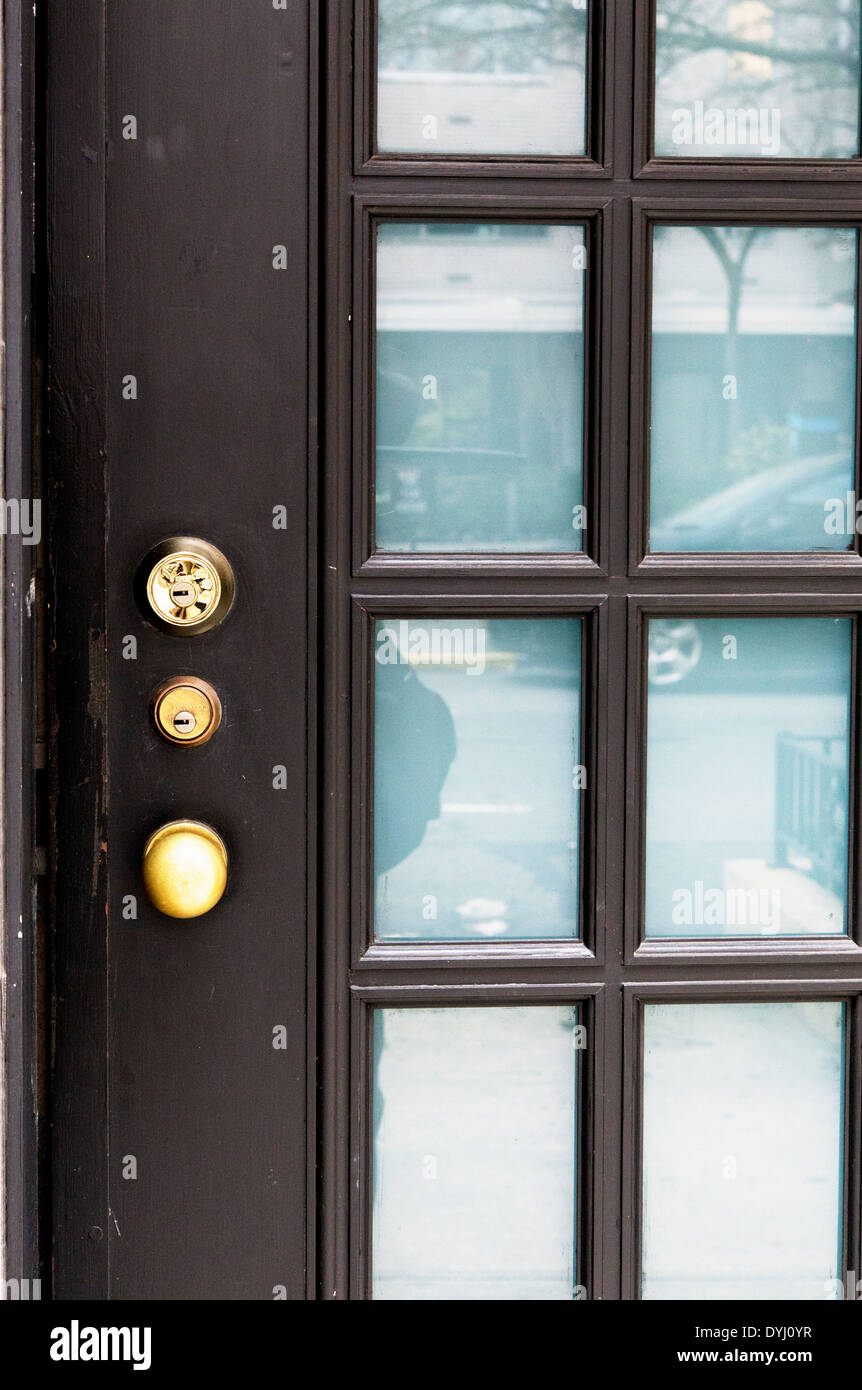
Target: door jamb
(21, 747)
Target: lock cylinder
(186, 710)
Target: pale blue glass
(475, 1161)
(743, 1108)
(753, 389)
(747, 79)
(480, 387)
(499, 77)
(747, 794)
(478, 778)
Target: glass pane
(480, 387)
(742, 1150)
(475, 1153)
(477, 778)
(753, 388)
(753, 80)
(481, 78)
(747, 776)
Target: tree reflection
(416, 35)
(801, 62)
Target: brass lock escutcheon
(186, 585)
(185, 868)
(186, 710)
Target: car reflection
(782, 508)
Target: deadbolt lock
(186, 710)
(186, 585)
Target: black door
(453, 441)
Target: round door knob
(185, 585)
(185, 868)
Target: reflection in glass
(475, 1153)
(480, 387)
(506, 77)
(747, 776)
(753, 388)
(477, 778)
(757, 80)
(742, 1150)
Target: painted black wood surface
(165, 268)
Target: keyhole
(184, 722)
(183, 593)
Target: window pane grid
(688, 965)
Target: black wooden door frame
(23, 1005)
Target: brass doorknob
(185, 868)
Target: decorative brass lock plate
(186, 585)
(186, 710)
